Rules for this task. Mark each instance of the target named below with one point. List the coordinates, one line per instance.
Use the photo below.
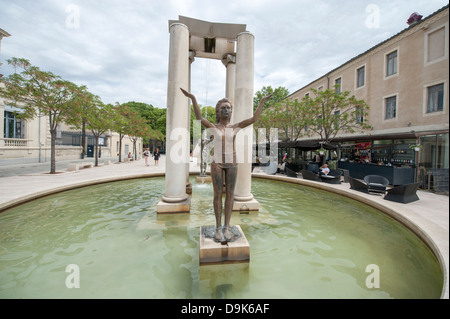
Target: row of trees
(41, 93)
(322, 113)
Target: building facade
(404, 80)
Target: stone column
(175, 199)
(230, 63)
(188, 141)
(243, 109)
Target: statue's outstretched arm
(255, 117)
(198, 113)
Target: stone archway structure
(234, 46)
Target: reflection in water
(304, 243)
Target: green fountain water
(305, 243)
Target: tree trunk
(83, 138)
(53, 151)
(120, 147)
(96, 150)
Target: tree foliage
(283, 114)
(40, 93)
(323, 114)
(279, 94)
(330, 112)
(154, 117)
(121, 122)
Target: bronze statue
(224, 160)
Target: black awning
(307, 145)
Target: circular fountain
(305, 243)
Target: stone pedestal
(243, 206)
(164, 207)
(212, 252)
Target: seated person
(324, 170)
(282, 167)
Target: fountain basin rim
(389, 211)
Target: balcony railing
(15, 142)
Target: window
(391, 107)
(435, 98)
(360, 76)
(337, 115)
(337, 85)
(13, 126)
(359, 116)
(436, 44)
(391, 63)
(434, 152)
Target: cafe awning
(307, 145)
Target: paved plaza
(20, 182)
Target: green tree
(289, 117)
(79, 114)
(121, 122)
(279, 94)
(329, 112)
(154, 117)
(99, 120)
(137, 128)
(40, 93)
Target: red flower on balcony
(413, 18)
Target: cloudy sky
(120, 49)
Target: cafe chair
(358, 185)
(345, 173)
(313, 167)
(376, 183)
(333, 177)
(290, 173)
(306, 174)
(403, 193)
(335, 172)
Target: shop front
(401, 158)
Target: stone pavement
(428, 217)
(12, 167)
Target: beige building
(404, 80)
(29, 140)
